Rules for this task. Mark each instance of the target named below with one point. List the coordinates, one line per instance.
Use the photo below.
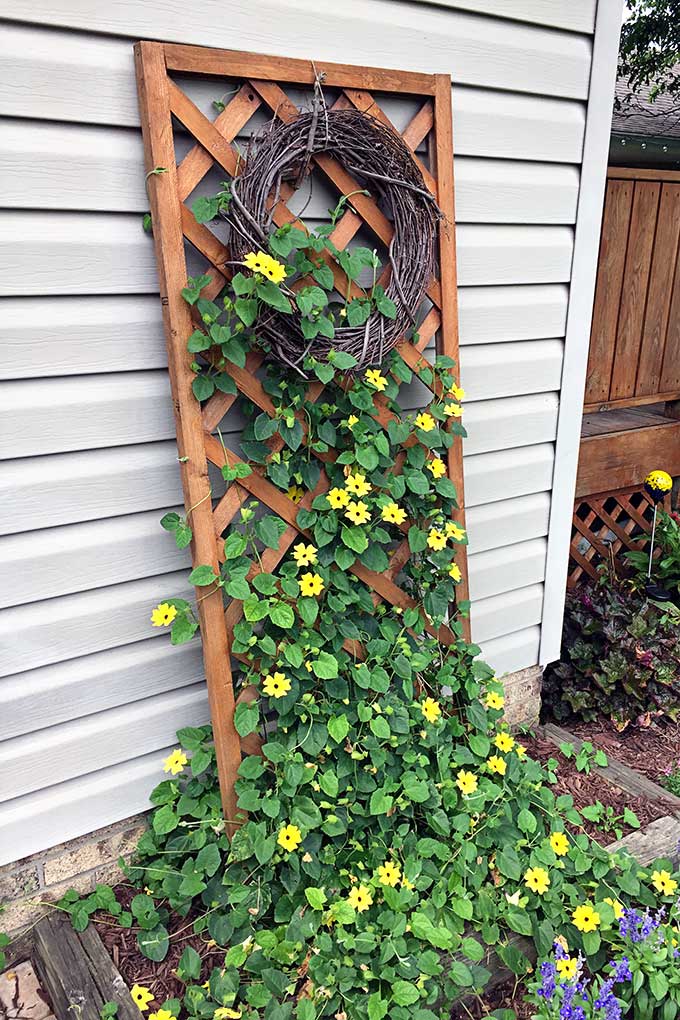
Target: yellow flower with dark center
(466, 782)
(375, 379)
(616, 907)
(436, 539)
(360, 898)
(289, 838)
(451, 530)
(454, 572)
(224, 1013)
(520, 750)
(162, 1014)
(276, 685)
(585, 917)
(338, 498)
(406, 884)
(437, 467)
(175, 762)
(393, 513)
(664, 883)
(311, 584)
(504, 742)
(163, 615)
(255, 261)
(425, 422)
(304, 555)
(495, 701)
(275, 271)
(453, 410)
(497, 764)
(389, 873)
(295, 492)
(141, 996)
(351, 421)
(457, 392)
(357, 484)
(566, 968)
(357, 513)
(431, 709)
(537, 879)
(263, 263)
(559, 843)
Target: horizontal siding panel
(88, 168)
(58, 336)
(58, 693)
(478, 51)
(528, 366)
(36, 761)
(59, 813)
(507, 521)
(576, 15)
(513, 651)
(510, 421)
(97, 253)
(507, 613)
(97, 484)
(57, 629)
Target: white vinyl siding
(90, 696)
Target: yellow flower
(141, 997)
(514, 898)
(406, 884)
(351, 421)
(163, 615)
(308, 667)
(275, 271)
(431, 709)
(452, 530)
(559, 843)
(659, 480)
(537, 879)
(504, 742)
(663, 883)
(454, 410)
(436, 539)
(389, 873)
(566, 967)
(224, 1013)
(289, 837)
(338, 498)
(295, 492)
(497, 764)
(357, 512)
(357, 484)
(265, 265)
(495, 701)
(175, 762)
(393, 513)
(425, 422)
(162, 1014)
(454, 572)
(304, 555)
(311, 584)
(457, 392)
(616, 907)
(466, 782)
(520, 750)
(360, 898)
(276, 685)
(254, 262)
(375, 379)
(585, 917)
(436, 466)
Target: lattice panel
(261, 84)
(606, 526)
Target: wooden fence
(635, 337)
(259, 81)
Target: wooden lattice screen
(605, 526)
(259, 81)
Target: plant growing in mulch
(666, 565)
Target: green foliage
(620, 657)
(585, 757)
(649, 53)
(666, 566)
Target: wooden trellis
(605, 526)
(260, 86)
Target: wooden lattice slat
(262, 80)
(605, 526)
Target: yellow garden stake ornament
(658, 484)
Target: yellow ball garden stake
(657, 484)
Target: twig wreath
(377, 158)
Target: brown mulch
(506, 996)
(653, 750)
(587, 789)
(160, 978)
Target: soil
(506, 996)
(653, 750)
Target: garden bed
(653, 749)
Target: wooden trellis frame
(160, 100)
(625, 514)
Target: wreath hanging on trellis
(379, 159)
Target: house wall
(90, 698)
